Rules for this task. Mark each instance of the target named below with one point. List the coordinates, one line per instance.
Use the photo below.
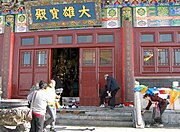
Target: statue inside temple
(66, 65)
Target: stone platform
(95, 116)
(169, 117)
(118, 117)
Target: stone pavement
(112, 129)
(62, 128)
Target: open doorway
(66, 67)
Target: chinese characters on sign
(63, 12)
(73, 14)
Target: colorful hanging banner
(173, 93)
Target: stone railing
(139, 122)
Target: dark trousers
(103, 96)
(60, 101)
(37, 123)
(112, 101)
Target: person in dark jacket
(58, 82)
(112, 88)
(161, 103)
(58, 87)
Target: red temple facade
(81, 56)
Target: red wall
(155, 70)
(1, 45)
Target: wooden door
(88, 77)
(94, 64)
(34, 66)
(105, 66)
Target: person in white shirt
(38, 99)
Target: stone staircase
(95, 116)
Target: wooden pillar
(7, 62)
(127, 55)
(0, 87)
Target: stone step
(109, 113)
(101, 123)
(95, 113)
(95, 116)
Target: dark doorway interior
(66, 67)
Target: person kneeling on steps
(160, 106)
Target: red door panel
(34, 67)
(40, 76)
(89, 84)
(41, 67)
(105, 65)
(88, 77)
(25, 83)
(25, 72)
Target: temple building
(81, 40)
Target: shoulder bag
(29, 113)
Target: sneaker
(148, 125)
(160, 125)
(102, 106)
(121, 105)
(61, 107)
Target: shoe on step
(102, 106)
(160, 125)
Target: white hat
(106, 75)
